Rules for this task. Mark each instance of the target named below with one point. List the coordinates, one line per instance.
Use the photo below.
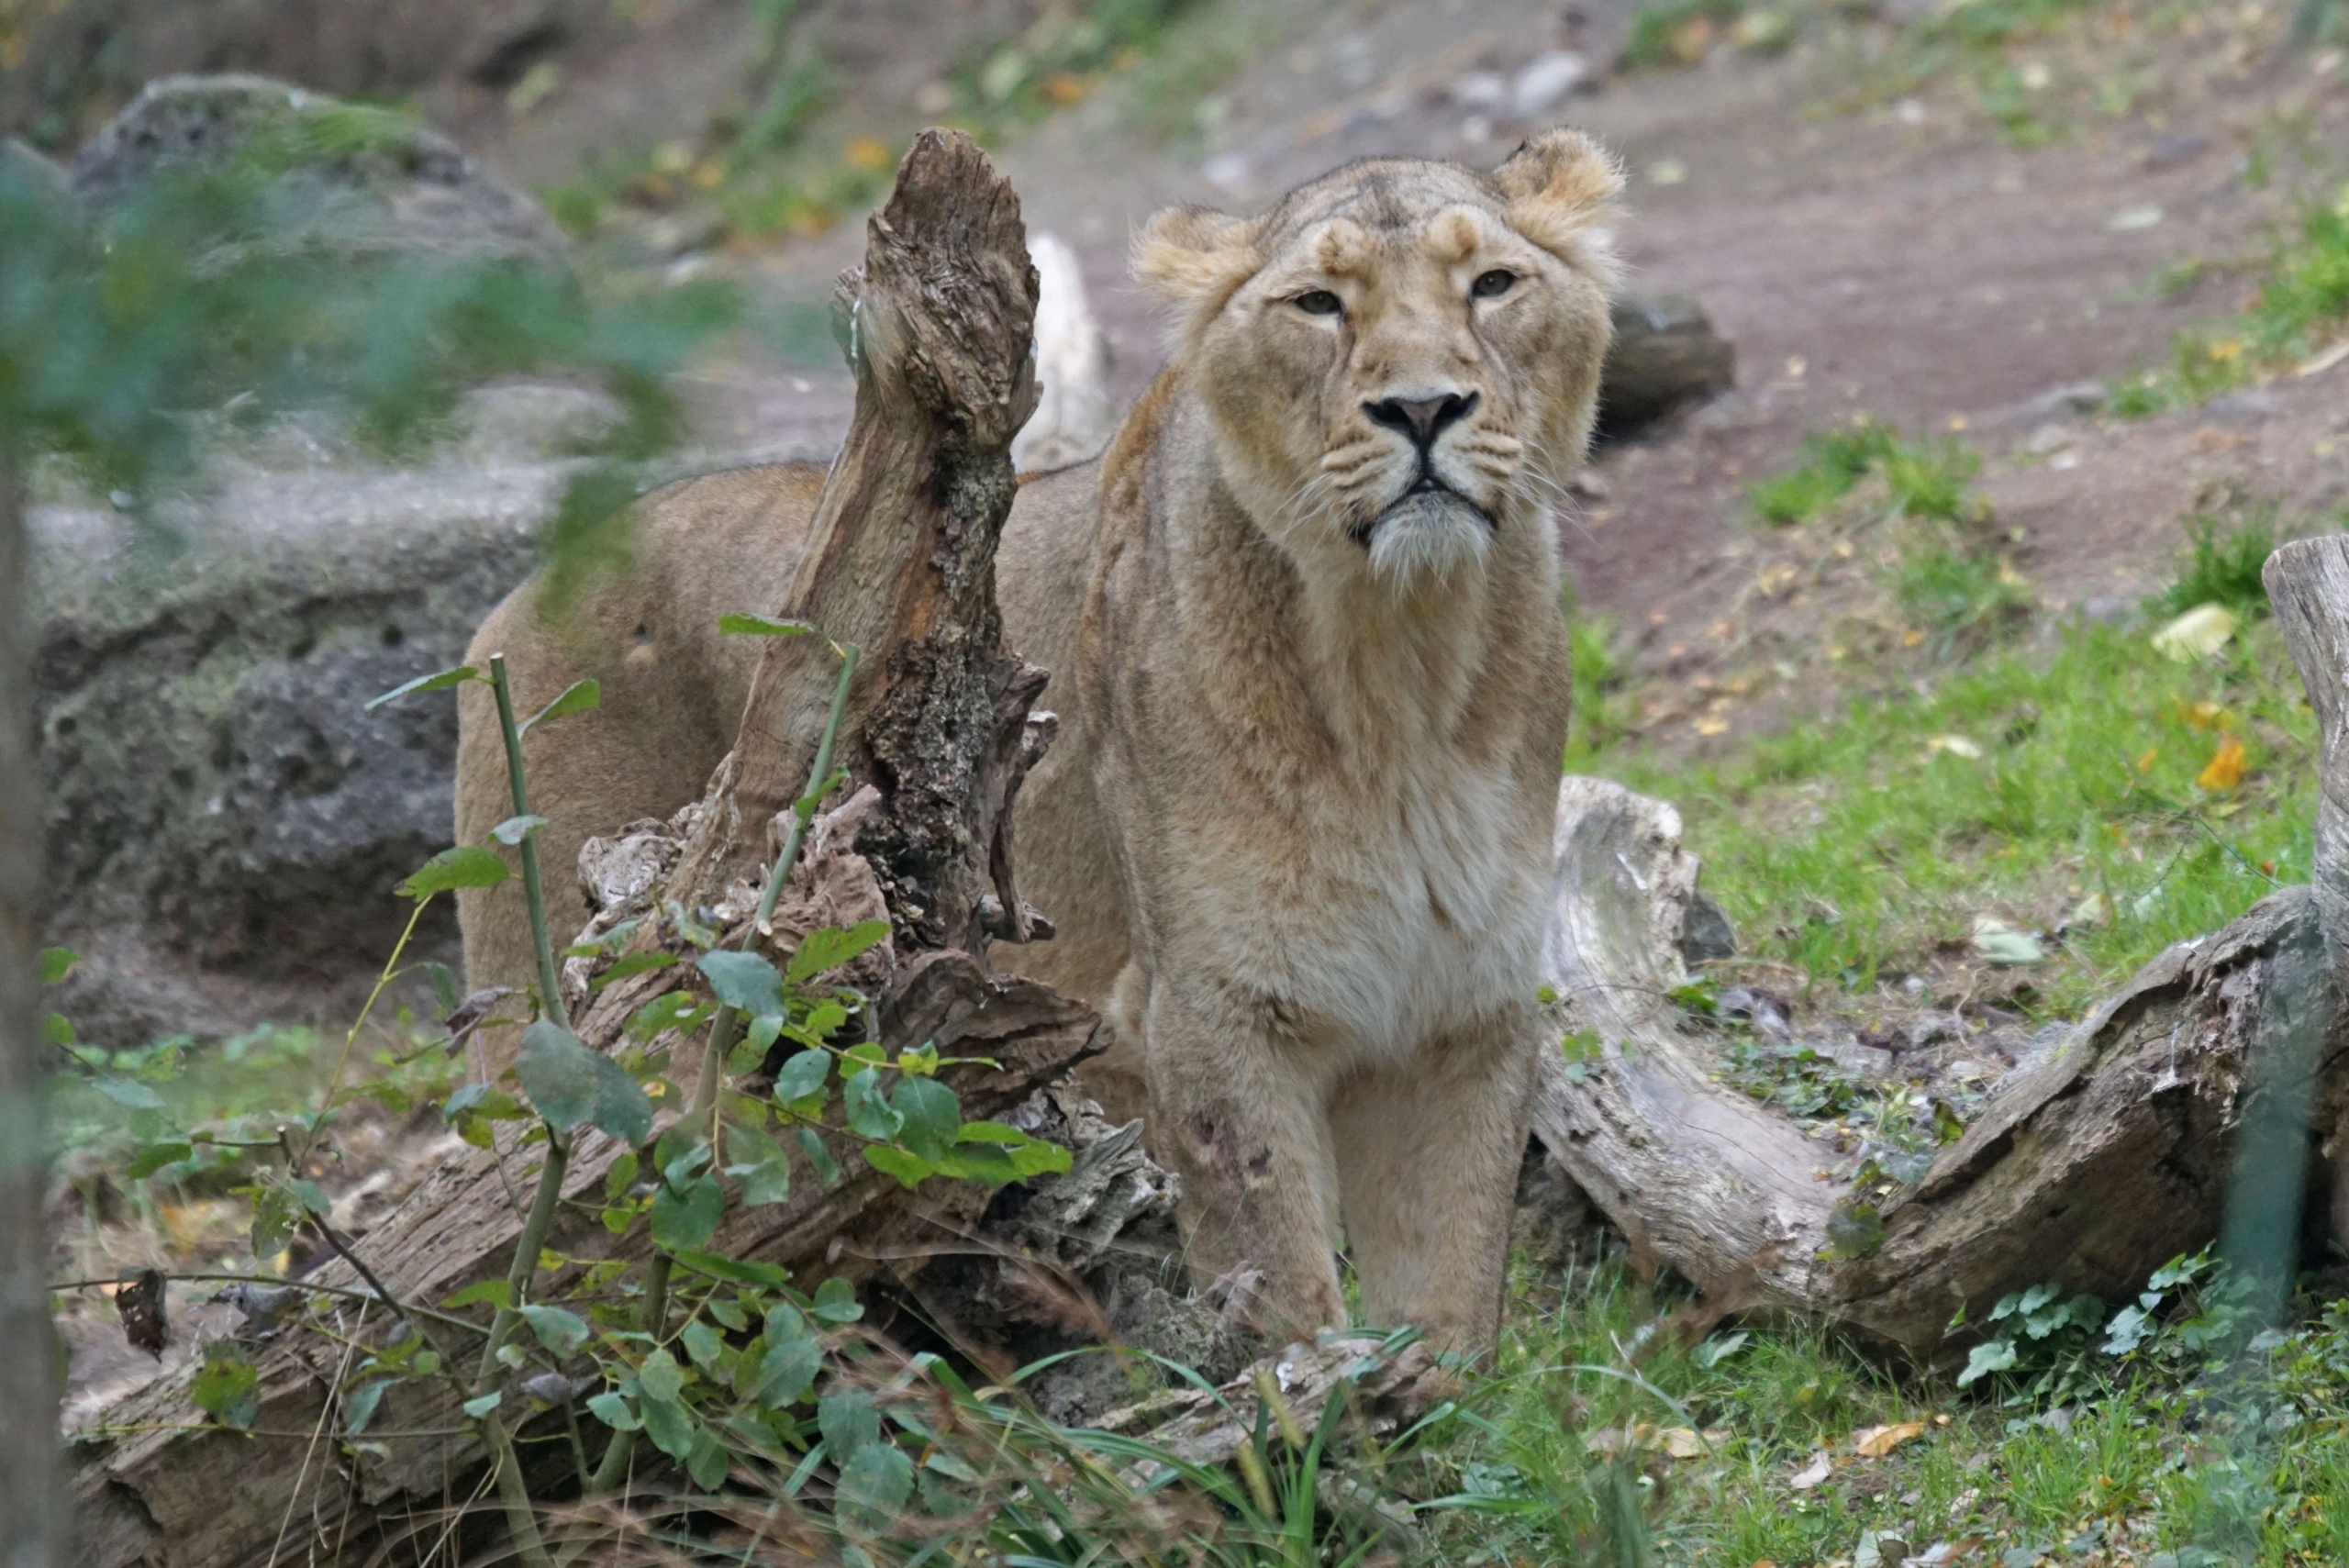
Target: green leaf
(742, 625)
(931, 1117)
(154, 1157)
(58, 1029)
(577, 698)
(568, 1083)
(787, 1371)
(444, 986)
(802, 1075)
(740, 1270)
(672, 1430)
(835, 1302)
(686, 1221)
(1038, 1158)
(620, 1177)
(709, 1463)
(873, 1488)
(562, 1331)
(849, 1420)
(359, 1406)
(514, 829)
(130, 1092)
(557, 1070)
(831, 947)
(828, 1169)
(439, 681)
(743, 981)
(758, 1037)
(496, 1292)
(467, 865)
(870, 1113)
(634, 963)
(762, 1167)
(907, 1166)
(311, 1196)
(785, 1324)
(669, 1010)
(273, 1219)
(703, 1343)
(1854, 1229)
(224, 1389)
(1991, 1355)
(481, 1407)
(56, 963)
(612, 1411)
(661, 1377)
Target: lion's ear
(1559, 185)
(1195, 256)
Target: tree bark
(2307, 582)
(903, 564)
(2090, 1167)
(32, 1512)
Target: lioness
(1304, 622)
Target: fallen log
(2093, 1162)
(935, 738)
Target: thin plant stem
(612, 1469)
(550, 982)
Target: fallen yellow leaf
(2203, 715)
(1681, 1443)
(1955, 745)
(2147, 760)
(1878, 1441)
(1912, 637)
(2226, 767)
(2198, 633)
(867, 153)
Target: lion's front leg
(1428, 1152)
(1237, 1107)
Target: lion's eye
(1493, 284)
(1318, 302)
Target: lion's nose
(1421, 419)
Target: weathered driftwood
(2307, 582)
(902, 565)
(2090, 1165)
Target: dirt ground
(1903, 258)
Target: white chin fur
(1428, 539)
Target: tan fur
(1295, 831)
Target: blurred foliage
(211, 290)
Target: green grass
(2084, 792)
(1926, 479)
(2159, 1450)
(2301, 306)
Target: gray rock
(363, 179)
(2078, 397)
(1706, 935)
(224, 823)
(1665, 356)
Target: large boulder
(225, 822)
(363, 179)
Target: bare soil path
(1905, 259)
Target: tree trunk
(32, 1516)
(2089, 1166)
(902, 562)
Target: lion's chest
(1386, 915)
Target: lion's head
(1401, 359)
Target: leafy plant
(2220, 566)
(1833, 461)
